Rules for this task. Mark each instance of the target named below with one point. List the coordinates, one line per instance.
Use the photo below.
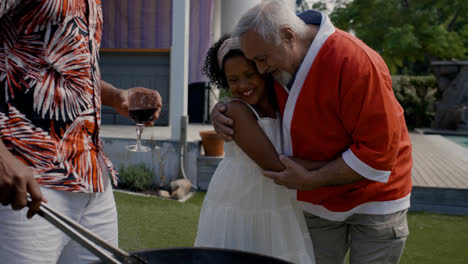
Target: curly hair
(211, 68)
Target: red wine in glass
(141, 116)
(142, 105)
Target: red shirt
(342, 104)
(50, 98)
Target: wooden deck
(439, 162)
(440, 175)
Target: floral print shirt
(50, 97)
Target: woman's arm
(309, 164)
(250, 137)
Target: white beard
(283, 77)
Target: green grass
(436, 238)
(148, 222)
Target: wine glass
(142, 104)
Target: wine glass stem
(139, 131)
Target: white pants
(24, 241)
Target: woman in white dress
(243, 209)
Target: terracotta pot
(212, 143)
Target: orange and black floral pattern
(50, 90)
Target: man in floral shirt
(50, 111)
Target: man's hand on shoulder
(221, 123)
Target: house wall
(131, 69)
(147, 24)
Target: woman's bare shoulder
(237, 110)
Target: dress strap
(251, 108)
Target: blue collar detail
(311, 17)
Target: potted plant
(212, 143)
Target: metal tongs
(87, 239)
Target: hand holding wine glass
(144, 106)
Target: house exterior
(138, 38)
(161, 45)
(136, 47)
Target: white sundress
(245, 210)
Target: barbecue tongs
(86, 238)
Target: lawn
(436, 238)
(148, 222)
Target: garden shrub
(136, 177)
(418, 96)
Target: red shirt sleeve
(371, 115)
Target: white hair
(267, 19)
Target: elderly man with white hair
(337, 104)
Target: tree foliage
(417, 95)
(408, 34)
